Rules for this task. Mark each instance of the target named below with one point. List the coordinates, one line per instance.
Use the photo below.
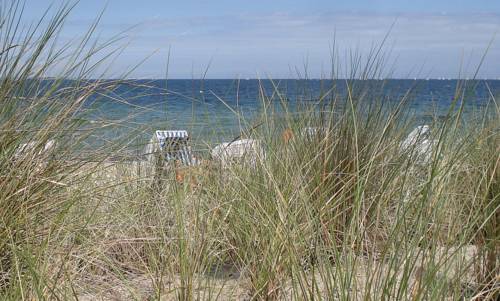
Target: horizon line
(284, 78)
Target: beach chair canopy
(173, 145)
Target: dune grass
(340, 213)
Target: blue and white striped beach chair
(173, 146)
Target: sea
(217, 110)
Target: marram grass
(342, 213)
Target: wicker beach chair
(313, 132)
(34, 149)
(169, 153)
(243, 150)
(171, 146)
(420, 144)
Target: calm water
(209, 109)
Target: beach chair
(171, 146)
(169, 152)
(420, 144)
(313, 132)
(244, 150)
(27, 149)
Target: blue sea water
(216, 109)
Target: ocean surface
(216, 109)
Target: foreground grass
(343, 213)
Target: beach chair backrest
(174, 146)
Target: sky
(283, 39)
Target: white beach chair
(25, 148)
(170, 146)
(243, 150)
(420, 143)
(312, 132)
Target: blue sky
(259, 38)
